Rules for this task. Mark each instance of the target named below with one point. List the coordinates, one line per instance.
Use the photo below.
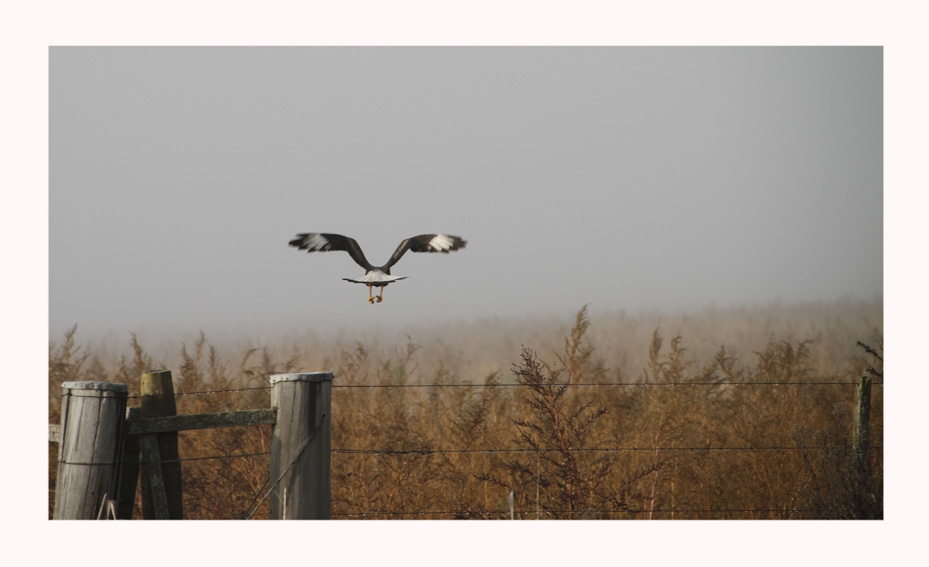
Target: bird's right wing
(324, 242)
(443, 243)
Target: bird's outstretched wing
(426, 243)
(324, 242)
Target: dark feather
(325, 242)
(425, 243)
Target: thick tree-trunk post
(92, 419)
(157, 474)
(300, 446)
(863, 426)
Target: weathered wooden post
(92, 419)
(864, 500)
(863, 426)
(129, 471)
(300, 446)
(161, 481)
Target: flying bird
(376, 276)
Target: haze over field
(627, 178)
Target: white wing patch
(316, 242)
(441, 242)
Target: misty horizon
(630, 179)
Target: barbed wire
(575, 512)
(590, 449)
(504, 515)
(402, 452)
(516, 385)
(243, 455)
(625, 384)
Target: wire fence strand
(515, 385)
(580, 513)
(581, 450)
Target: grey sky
(627, 178)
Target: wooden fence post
(161, 480)
(300, 446)
(92, 419)
(129, 471)
(863, 426)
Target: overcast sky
(626, 178)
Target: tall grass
(754, 426)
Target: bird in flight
(376, 276)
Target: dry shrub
(416, 437)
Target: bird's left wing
(324, 242)
(443, 243)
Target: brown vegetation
(419, 432)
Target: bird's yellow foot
(380, 299)
(371, 300)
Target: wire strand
(576, 512)
(602, 449)
(622, 384)
(515, 385)
(216, 457)
(393, 453)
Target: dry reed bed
(678, 443)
